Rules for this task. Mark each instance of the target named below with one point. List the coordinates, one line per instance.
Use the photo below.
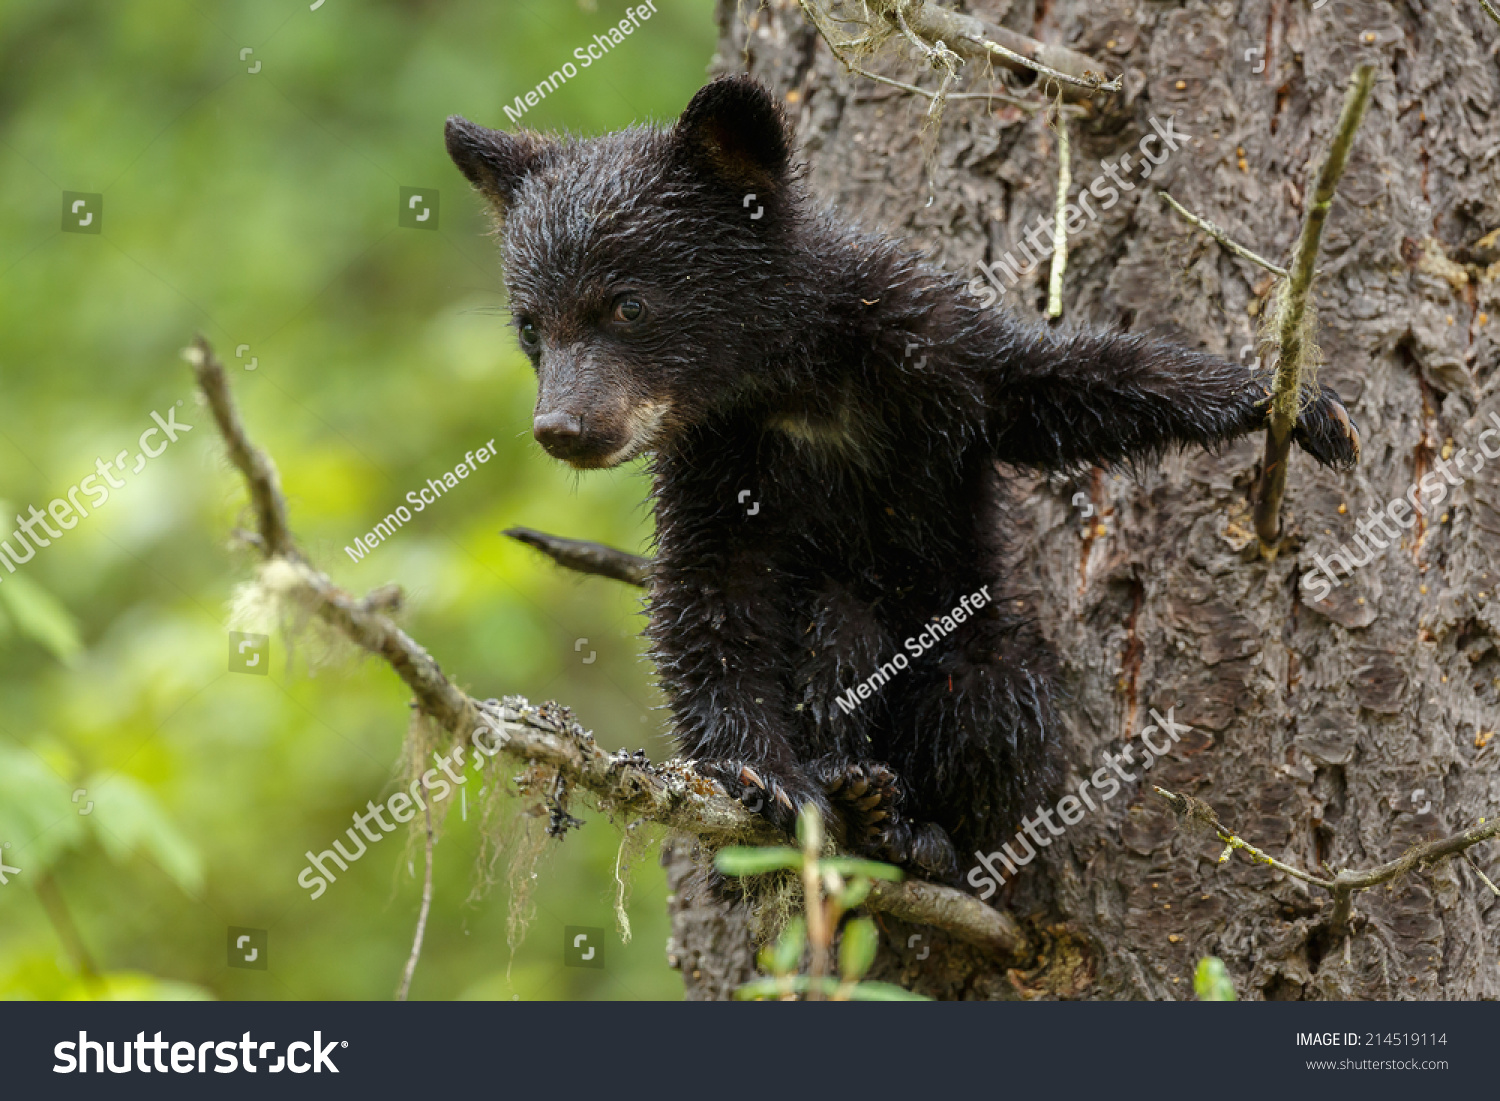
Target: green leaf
(37, 817)
(783, 957)
(1211, 981)
(129, 818)
(855, 893)
(133, 986)
(738, 860)
(883, 992)
(41, 617)
(800, 984)
(857, 948)
(810, 826)
(853, 866)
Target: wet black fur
(860, 535)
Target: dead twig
(1293, 320)
(1220, 236)
(948, 36)
(592, 558)
(1025, 105)
(630, 787)
(1060, 218)
(416, 943)
(1197, 818)
(971, 37)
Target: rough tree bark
(1334, 733)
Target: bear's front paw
(777, 797)
(1327, 432)
(867, 797)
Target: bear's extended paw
(1325, 430)
(777, 798)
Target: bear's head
(648, 270)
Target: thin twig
(594, 558)
(1220, 236)
(1480, 872)
(970, 36)
(61, 917)
(672, 793)
(260, 473)
(839, 52)
(1196, 817)
(1060, 218)
(819, 935)
(1007, 54)
(416, 942)
(1346, 882)
(1292, 316)
(976, 39)
(1490, 10)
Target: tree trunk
(1337, 732)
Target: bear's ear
(735, 129)
(495, 162)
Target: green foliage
(784, 955)
(857, 948)
(1211, 981)
(866, 869)
(829, 988)
(832, 886)
(41, 617)
(261, 209)
(745, 860)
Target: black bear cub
(828, 419)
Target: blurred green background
(261, 209)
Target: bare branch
(416, 942)
(1060, 218)
(1196, 817)
(1489, 10)
(840, 53)
(971, 37)
(1026, 105)
(593, 558)
(937, 30)
(56, 909)
(923, 903)
(626, 786)
(1220, 236)
(1480, 873)
(1292, 316)
(260, 473)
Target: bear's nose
(557, 432)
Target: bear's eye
(629, 309)
(529, 338)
